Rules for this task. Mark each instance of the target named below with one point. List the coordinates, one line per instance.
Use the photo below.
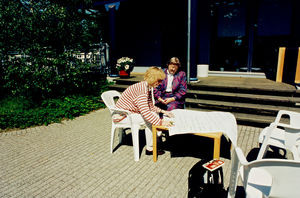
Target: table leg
(217, 148)
(154, 132)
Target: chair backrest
(285, 176)
(292, 132)
(288, 137)
(294, 117)
(291, 140)
(108, 98)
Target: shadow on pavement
(186, 145)
(194, 146)
(127, 140)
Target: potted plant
(125, 66)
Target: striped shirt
(137, 98)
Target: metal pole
(188, 41)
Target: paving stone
(73, 159)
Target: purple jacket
(179, 87)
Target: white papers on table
(190, 121)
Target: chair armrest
(124, 113)
(264, 146)
(117, 110)
(287, 126)
(241, 156)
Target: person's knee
(175, 105)
(172, 105)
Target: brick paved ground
(72, 159)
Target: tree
(44, 31)
(29, 26)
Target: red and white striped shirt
(137, 98)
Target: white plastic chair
(285, 136)
(266, 177)
(108, 98)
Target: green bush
(21, 112)
(43, 76)
(46, 84)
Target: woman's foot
(159, 152)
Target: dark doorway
(229, 42)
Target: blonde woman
(138, 98)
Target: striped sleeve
(152, 107)
(143, 106)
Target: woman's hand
(168, 100)
(168, 113)
(161, 100)
(167, 123)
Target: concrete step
(243, 97)
(233, 85)
(118, 87)
(244, 85)
(235, 102)
(225, 96)
(126, 81)
(249, 108)
(250, 90)
(254, 102)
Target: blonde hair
(154, 74)
(174, 61)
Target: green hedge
(43, 77)
(22, 113)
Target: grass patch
(22, 113)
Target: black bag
(204, 183)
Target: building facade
(232, 35)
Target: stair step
(236, 96)
(205, 103)
(126, 81)
(229, 106)
(245, 96)
(246, 85)
(254, 102)
(119, 87)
